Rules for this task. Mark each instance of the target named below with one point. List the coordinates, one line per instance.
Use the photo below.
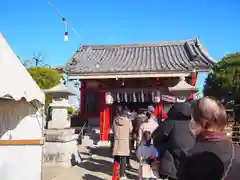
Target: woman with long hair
(149, 124)
(214, 156)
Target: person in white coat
(146, 154)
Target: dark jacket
(210, 161)
(173, 134)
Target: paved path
(97, 165)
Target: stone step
(87, 141)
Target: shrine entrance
(134, 94)
(132, 106)
(145, 73)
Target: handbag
(211, 136)
(155, 168)
(145, 170)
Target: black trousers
(122, 161)
(131, 147)
(128, 160)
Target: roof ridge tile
(132, 45)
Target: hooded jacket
(175, 136)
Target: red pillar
(106, 122)
(158, 111)
(82, 87)
(104, 118)
(101, 116)
(193, 83)
(101, 125)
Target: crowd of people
(189, 145)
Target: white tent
(21, 108)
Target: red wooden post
(104, 118)
(193, 83)
(101, 125)
(107, 122)
(102, 115)
(158, 111)
(82, 87)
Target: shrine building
(135, 75)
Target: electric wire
(63, 19)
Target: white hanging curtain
(141, 96)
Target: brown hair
(147, 137)
(209, 112)
(119, 110)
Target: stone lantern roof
(183, 86)
(59, 89)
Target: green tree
(45, 78)
(223, 82)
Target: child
(147, 154)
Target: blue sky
(32, 25)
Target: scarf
(213, 136)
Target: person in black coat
(172, 137)
(214, 156)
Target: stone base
(60, 135)
(104, 143)
(57, 125)
(61, 148)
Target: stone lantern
(61, 140)
(59, 105)
(182, 89)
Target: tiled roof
(179, 56)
